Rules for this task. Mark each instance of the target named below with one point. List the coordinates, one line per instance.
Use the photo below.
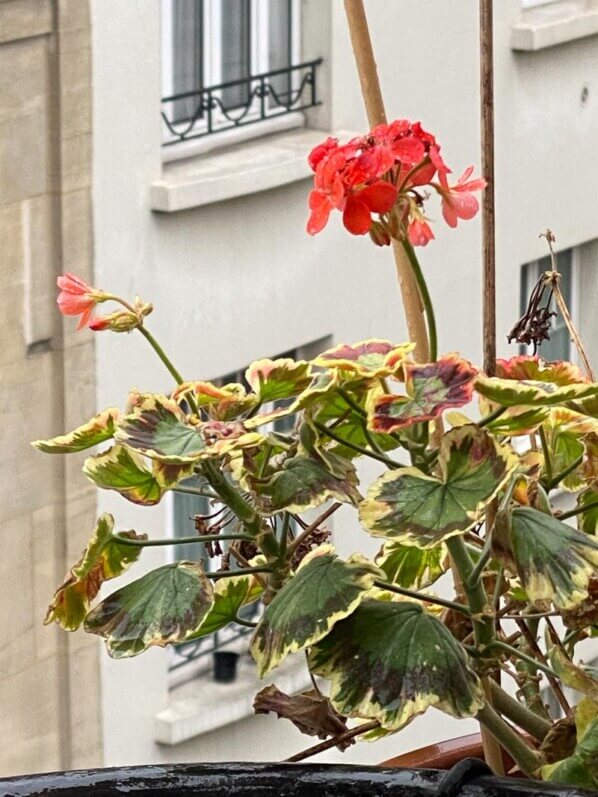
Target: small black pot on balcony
(225, 666)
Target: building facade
(49, 682)
(211, 229)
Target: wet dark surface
(269, 780)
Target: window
(559, 346)
(227, 64)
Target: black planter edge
(279, 780)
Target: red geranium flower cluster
(384, 171)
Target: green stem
(178, 540)
(523, 656)
(348, 399)
(242, 571)
(421, 596)
(579, 510)
(232, 498)
(546, 452)
(359, 449)
(515, 711)
(194, 491)
(492, 416)
(161, 354)
(425, 297)
(552, 483)
(527, 759)
(284, 536)
(483, 621)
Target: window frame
(212, 73)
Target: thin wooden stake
(488, 214)
(492, 749)
(374, 106)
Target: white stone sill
(239, 170)
(201, 705)
(554, 23)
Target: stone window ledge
(239, 170)
(201, 705)
(555, 23)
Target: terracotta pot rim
(444, 754)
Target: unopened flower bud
(121, 321)
(379, 234)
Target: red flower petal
(320, 211)
(378, 197)
(356, 216)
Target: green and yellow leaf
(222, 403)
(278, 379)
(573, 675)
(323, 591)
(555, 561)
(320, 390)
(158, 429)
(162, 608)
(431, 388)
(230, 595)
(369, 358)
(103, 558)
(529, 392)
(124, 471)
(410, 507)
(580, 768)
(391, 661)
(304, 482)
(409, 566)
(99, 429)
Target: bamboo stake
(492, 750)
(488, 214)
(374, 105)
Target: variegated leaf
(278, 379)
(369, 358)
(390, 661)
(124, 471)
(158, 429)
(409, 566)
(161, 608)
(533, 393)
(432, 388)
(580, 768)
(103, 558)
(574, 676)
(224, 403)
(230, 595)
(319, 390)
(99, 429)
(408, 506)
(323, 591)
(304, 482)
(524, 367)
(554, 560)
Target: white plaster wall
(234, 281)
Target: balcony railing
(227, 106)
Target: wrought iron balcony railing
(205, 111)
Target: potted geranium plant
(374, 630)
(460, 492)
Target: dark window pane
(187, 56)
(236, 58)
(280, 46)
